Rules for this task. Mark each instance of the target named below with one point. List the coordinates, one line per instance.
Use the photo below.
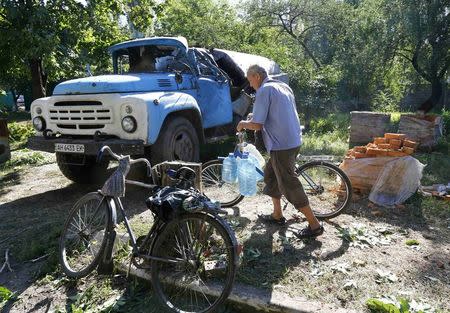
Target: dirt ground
(364, 253)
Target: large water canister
(246, 176)
(229, 169)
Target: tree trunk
(15, 97)
(37, 79)
(433, 100)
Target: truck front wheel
(177, 140)
(82, 169)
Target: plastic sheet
(398, 180)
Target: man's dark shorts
(280, 178)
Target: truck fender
(169, 104)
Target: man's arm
(248, 125)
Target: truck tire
(87, 172)
(177, 140)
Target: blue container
(246, 177)
(229, 169)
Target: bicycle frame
(105, 265)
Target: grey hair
(257, 69)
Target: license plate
(66, 147)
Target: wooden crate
(425, 130)
(363, 173)
(164, 180)
(365, 126)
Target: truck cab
(162, 100)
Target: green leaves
(391, 305)
(5, 295)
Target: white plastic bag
(398, 181)
(251, 149)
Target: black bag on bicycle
(169, 202)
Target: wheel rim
(83, 237)
(215, 188)
(203, 275)
(182, 146)
(326, 190)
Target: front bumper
(91, 146)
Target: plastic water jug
(229, 169)
(256, 166)
(257, 159)
(246, 176)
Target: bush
(19, 134)
(331, 123)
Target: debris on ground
(437, 190)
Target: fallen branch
(6, 264)
(38, 259)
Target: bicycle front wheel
(83, 238)
(215, 188)
(328, 188)
(198, 264)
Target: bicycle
(190, 251)
(328, 188)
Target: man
(275, 114)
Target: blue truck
(163, 100)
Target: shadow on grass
(31, 226)
(280, 252)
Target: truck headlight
(39, 123)
(129, 124)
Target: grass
(22, 159)
(331, 143)
(437, 169)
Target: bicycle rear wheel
(215, 188)
(83, 238)
(328, 188)
(200, 265)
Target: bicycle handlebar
(120, 157)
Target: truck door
(213, 94)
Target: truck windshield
(149, 59)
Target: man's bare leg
(277, 212)
(310, 217)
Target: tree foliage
(356, 54)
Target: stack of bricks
(391, 145)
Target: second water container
(246, 176)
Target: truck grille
(80, 115)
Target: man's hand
(240, 126)
(248, 125)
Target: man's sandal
(269, 219)
(309, 233)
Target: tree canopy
(355, 54)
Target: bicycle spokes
(203, 271)
(325, 188)
(84, 234)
